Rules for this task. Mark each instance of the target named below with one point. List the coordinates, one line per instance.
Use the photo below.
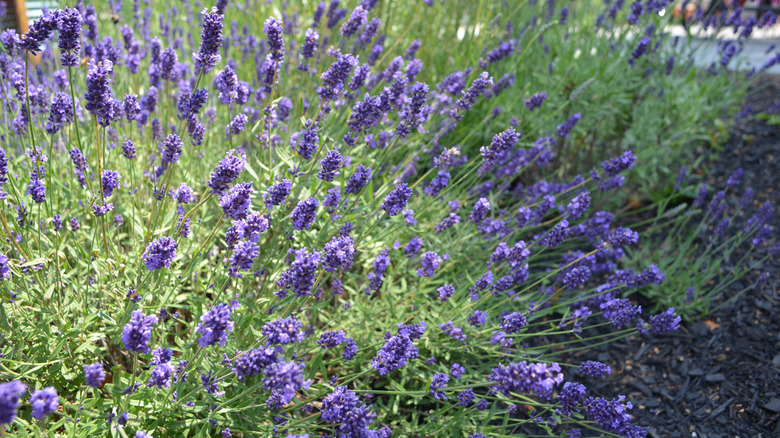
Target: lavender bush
(300, 231)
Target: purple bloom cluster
(138, 332)
(594, 369)
(283, 331)
(439, 382)
(396, 200)
(160, 253)
(522, 377)
(211, 40)
(9, 400)
(299, 277)
(215, 325)
(535, 101)
(94, 375)
(304, 214)
(358, 180)
(44, 402)
(277, 193)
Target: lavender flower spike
(210, 41)
(396, 200)
(70, 34)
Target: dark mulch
(719, 377)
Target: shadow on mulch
(719, 377)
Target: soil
(718, 377)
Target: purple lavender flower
(446, 292)
(415, 113)
(253, 362)
(578, 205)
(478, 318)
(94, 375)
(138, 332)
(110, 182)
(160, 377)
(619, 312)
(622, 237)
(334, 78)
(350, 349)
(575, 277)
(439, 382)
(356, 20)
(330, 166)
(504, 49)
(665, 322)
(300, 276)
(612, 416)
(160, 253)
(430, 263)
(235, 204)
(40, 31)
(37, 190)
(74, 224)
(616, 165)
(227, 171)
(478, 87)
(642, 46)
(171, 149)
(570, 398)
(360, 76)
(735, 178)
(310, 43)
(376, 278)
(339, 253)
(226, 82)
(304, 214)
(337, 407)
(396, 200)
(331, 339)
(273, 31)
(169, 59)
(9, 400)
(394, 355)
(236, 125)
(131, 107)
(70, 34)
(565, 128)
(481, 208)
(210, 41)
(283, 379)
(358, 180)
(370, 31)
(277, 193)
(283, 331)
(457, 371)
(466, 398)
(306, 142)
(513, 323)
(413, 247)
(3, 168)
(215, 325)
(535, 101)
(594, 369)
(522, 377)
(44, 402)
(100, 101)
(184, 194)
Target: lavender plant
(285, 232)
